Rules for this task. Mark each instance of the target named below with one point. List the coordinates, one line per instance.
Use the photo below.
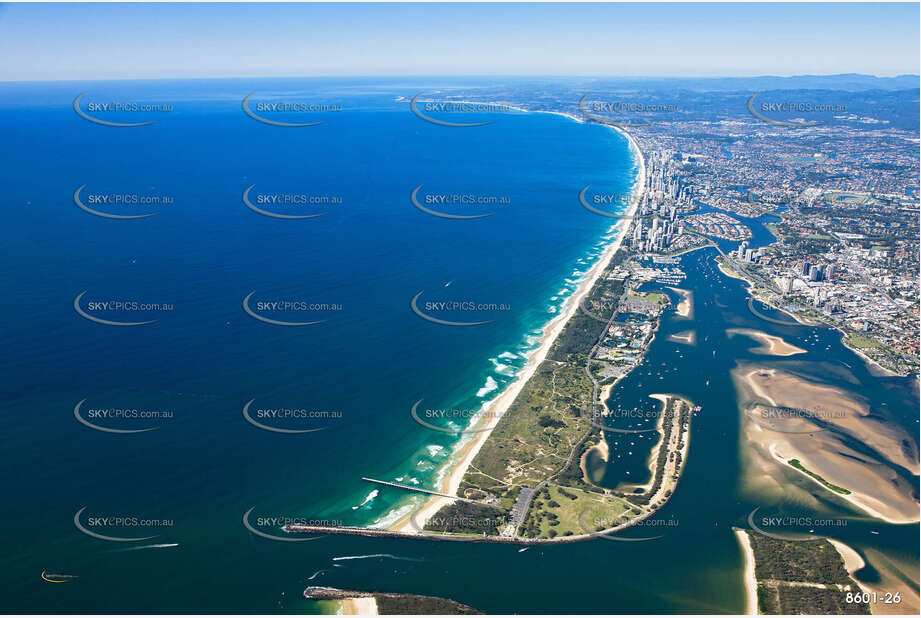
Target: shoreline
(358, 606)
(771, 345)
(751, 584)
(851, 498)
(457, 466)
(671, 473)
(654, 451)
(873, 366)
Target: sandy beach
(864, 485)
(833, 405)
(769, 446)
(494, 409)
(770, 344)
(852, 560)
(359, 606)
(751, 584)
(888, 583)
(687, 337)
(684, 307)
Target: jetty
(418, 490)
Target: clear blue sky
(114, 41)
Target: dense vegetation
(802, 561)
(402, 604)
(806, 577)
(469, 518)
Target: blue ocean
(230, 301)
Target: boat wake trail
(155, 546)
(391, 556)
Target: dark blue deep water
(203, 357)
(355, 374)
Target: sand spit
(770, 344)
(685, 307)
(846, 411)
(874, 485)
(687, 337)
(751, 584)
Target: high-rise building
(786, 285)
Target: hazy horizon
(112, 41)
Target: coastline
(751, 584)
(494, 409)
(358, 606)
(853, 498)
(887, 584)
(872, 365)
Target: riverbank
(493, 410)
(873, 365)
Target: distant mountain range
(844, 81)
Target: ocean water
(189, 481)
(368, 362)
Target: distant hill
(845, 81)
